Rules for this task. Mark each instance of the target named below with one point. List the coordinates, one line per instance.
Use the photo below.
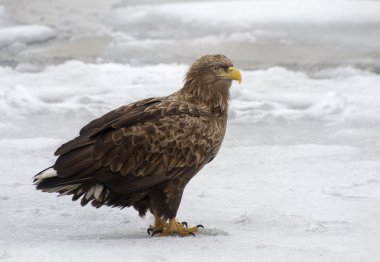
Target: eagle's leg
(159, 224)
(176, 228)
(170, 194)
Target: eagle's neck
(214, 95)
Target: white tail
(47, 173)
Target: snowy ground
(297, 178)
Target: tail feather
(44, 174)
(87, 188)
(60, 182)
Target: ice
(16, 37)
(12, 33)
(27, 34)
(294, 201)
(277, 93)
(148, 33)
(256, 33)
(339, 94)
(243, 13)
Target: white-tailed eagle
(144, 154)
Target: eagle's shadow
(139, 235)
(109, 236)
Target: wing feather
(141, 145)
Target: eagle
(143, 154)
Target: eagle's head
(213, 70)
(209, 79)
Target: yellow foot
(158, 225)
(174, 228)
(153, 229)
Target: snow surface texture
(297, 178)
(340, 94)
(256, 33)
(15, 38)
(246, 30)
(25, 34)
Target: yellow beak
(234, 74)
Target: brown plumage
(143, 154)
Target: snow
(297, 177)
(246, 12)
(12, 33)
(256, 33)
(145, 33)
(339, 94)
(16, 37)
(293, 203)
(26, 34)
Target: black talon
(198, 226)
(191, 233)
(185, 224)
(157, 231)
(149, 230)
